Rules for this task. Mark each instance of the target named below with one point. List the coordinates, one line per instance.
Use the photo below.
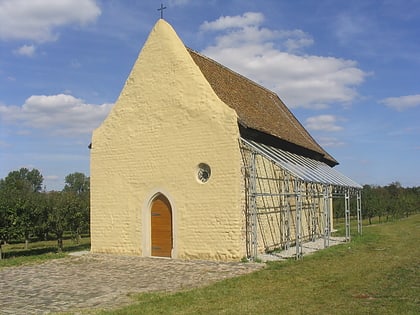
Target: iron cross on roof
(161, 10)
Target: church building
(196, 161)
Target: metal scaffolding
(327, 216)
(289, 199)
(347, 214)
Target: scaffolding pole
(286, 217)
(272, 192)
(253, 208)
(327, 214)
(359, 212)
(347, 214)
(298, 229)
(314, 221)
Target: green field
(378, 273)
(15, 254)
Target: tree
(8, 217)
(77, 183)
(77, 189)
(57, 206)
(393, 201)
(21, 190)
(40, 218)
(368, 202)
(338, 207)
(25, 180)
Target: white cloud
(58, 114)
(402, 102)
(4, 144)
(26, 50)
(405, 131)
(52, 177)
(330, 142)
(274, 59)
(178, 2)
(75, 64)
(38, 20)
(227, 22)
(323, 122)
(348, 26)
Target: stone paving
(94, 281)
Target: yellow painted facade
(166, 121)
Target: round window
(204, 172)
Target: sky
(348, 70)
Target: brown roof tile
(257, 107)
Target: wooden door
(161, 226)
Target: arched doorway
(161, 227)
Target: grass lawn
(378, 273)
(16, 254)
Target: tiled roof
(257, 107)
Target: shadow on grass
(13, 253)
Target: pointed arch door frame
(146, 234)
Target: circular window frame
(203, 173)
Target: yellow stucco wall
(165, 122)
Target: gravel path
(103, 281)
